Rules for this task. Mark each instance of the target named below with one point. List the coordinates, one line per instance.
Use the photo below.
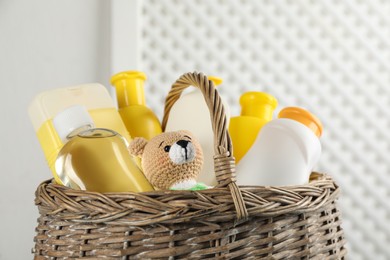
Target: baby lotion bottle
(284, 152)
(47, 104)
(94, 159)
(138, 118)
(190, 112)
(256, 110)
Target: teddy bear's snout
(183, 143)
(182, 151)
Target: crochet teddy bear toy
(171, 160)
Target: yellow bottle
(256, 110)
(49, 103)
(140, 121)
(94, 159)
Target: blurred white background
(43, 44)
(331, 57)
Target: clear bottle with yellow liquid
(94, 159)
(47, 104)
(256, 110)
(140, 121)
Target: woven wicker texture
(227, 222)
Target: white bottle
(285, 151)
(190, 112)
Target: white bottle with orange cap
(285, 151)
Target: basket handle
(224, 164)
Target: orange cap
(302, 116)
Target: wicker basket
(226, 222)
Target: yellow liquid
(98, 160)
(51, 143)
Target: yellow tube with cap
(256, 110)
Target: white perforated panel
(331, 57)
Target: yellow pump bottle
(139, 120)
(256, 110)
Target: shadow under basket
(225, 222)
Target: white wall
(43, 44)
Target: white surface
(331, 57)
(43, 45)
(126, 22)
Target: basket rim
(215, 204)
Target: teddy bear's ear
(137, 146)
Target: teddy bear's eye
(167, 148)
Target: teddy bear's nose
(182, 143)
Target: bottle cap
(129, 86)
(302, 116)
(257, 104)
(216, 80)
(71, 119)
(130, 74)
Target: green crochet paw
(198, 186)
